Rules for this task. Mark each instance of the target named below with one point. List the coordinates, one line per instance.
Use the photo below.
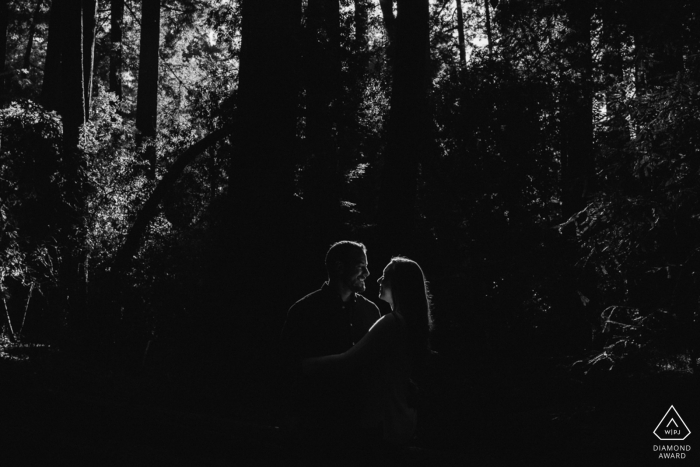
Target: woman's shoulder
(389, 323)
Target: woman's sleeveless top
(389, 388)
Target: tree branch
(151, 208)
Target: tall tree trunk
(72, 111)
(26, 63)
(387, 7)
(147, 95)
(4, 23)
(72, 107)
(577, 113)
(261, 226)
(489, 31)
(460, 35)
(63, 88)
(89, 29)
(262, 176)
(115, 55)
(322, 82)
(51, 87)
(408, 128)
(267, 90)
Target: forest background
(172, 173)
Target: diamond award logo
(672, 427)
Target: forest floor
(58, 409)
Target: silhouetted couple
(348, 368)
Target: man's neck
(344, 292)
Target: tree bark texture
(72, 106)
(26, 62)
(69, 99)
(577, 171)
(267, 98)
(147, 94)
(89, 29)
(489, 31)
(460, 35)
(4, 23)
(115, 57)
(261, 175)
(63, 87)
(387, 7)
(408, 128)
(51, 87)
(322, 80)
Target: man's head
(346, 263)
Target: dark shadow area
(171, 179)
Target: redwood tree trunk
(460, 34)
(89, 28)
(408, 128)
(147, 95)
(323, 179)
(262, 173)
(72, 107)
(63, 89)
(261, 225)
(51, 87)
(115, 57)
(71, 102)
(387, 7)
(264, 169)
(4, 23)
(577, 174)
(26, 63)
(489, 31)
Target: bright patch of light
(480, 41)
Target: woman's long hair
(409, 291)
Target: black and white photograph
(349, 233)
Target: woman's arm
(370, 347)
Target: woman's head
(404, 287)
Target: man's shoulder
(365, 301)
(366, 304)
(308, 300)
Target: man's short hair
(344, 251)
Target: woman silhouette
(386, 356)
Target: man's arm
(370, 348)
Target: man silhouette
(328, 321)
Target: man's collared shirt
(322, 324)
(317, 325)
